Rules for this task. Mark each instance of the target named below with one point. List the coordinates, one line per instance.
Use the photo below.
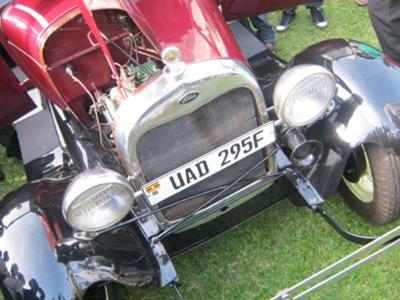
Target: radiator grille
(173, 144)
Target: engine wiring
(133, 42)
(142, 49)
(130, 57)
(70, 73)
(134, 72)
(131, 75)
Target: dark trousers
(315, 4)
(265, 32)
(385, 18)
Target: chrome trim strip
(235, 199)
(157, 103)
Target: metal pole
(318, 277)
(349, 269)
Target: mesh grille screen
(171, 145)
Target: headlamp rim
(290, 80)
(86, 181)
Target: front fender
(28, 266)
(39, 258)
(374, 117)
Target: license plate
(209, 164)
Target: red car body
(190, 106)
(27, 25)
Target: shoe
(318, 17)
(287, 18)
(271, 47)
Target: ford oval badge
(188, 98)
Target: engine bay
(79, 71)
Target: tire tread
(385, 207)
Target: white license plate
(209, 164)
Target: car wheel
(371, 184)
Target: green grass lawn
(286, 244)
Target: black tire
(382, 168)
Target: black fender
(40, 259)
(367, 106)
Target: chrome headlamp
(97, 199)
(303, 94)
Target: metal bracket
(150, 229)
(338, 270)
(167, 269)
(310, 195)
(314, 200)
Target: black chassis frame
(34, 235)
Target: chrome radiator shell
(159, 102)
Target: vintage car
(155, 125)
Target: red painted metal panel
(70, 45)
(14, 103)
(23, 24)
(196, 27)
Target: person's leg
(315, 4)
(385, 18)
(290, 10)
(246, 24)
(266, 32)
(287, 18)
(317, 14)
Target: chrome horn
(305, 153)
